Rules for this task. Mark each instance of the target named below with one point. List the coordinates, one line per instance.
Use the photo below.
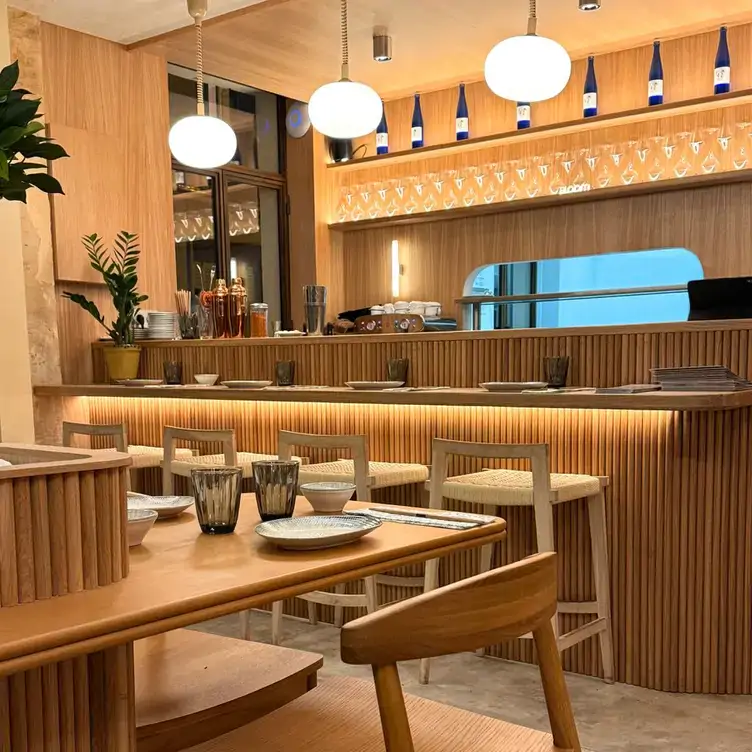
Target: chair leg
(277, 622)
(558, 704)
(313, 617)
(372, 594)
(544, 535)
(486, 560)
(432, 582)
(598, 542)
(339, 611)
(394, 721)
(245, 625)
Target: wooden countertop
(683, 401)
(180, 576)
(460, 335)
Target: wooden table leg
(86, 704)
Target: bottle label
(416, 133)
(655, 88)
(523, 112)
(382, 140)
(723, 75)
(463, 125)
(590, 100)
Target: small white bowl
(328, 497)
(206, 379)
(140, 521)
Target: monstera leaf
(23, 153)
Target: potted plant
(118, 269)
(19, 143)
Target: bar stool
(360, 474)
(142, 456)
(541, 490)
(174, 464)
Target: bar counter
(679, 516)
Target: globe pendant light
(528, 68)
(345, 109)
(201, 140)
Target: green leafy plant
(118, 269)
(19, 143)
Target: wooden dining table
(66, 663)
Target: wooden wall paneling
(302, 221)
(681, 622)
(113, 118)
(439, 257)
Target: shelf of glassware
(671, 161)
(613, 119)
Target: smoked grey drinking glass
(396, 369)
(276, 488)
(555, 371)
(217, 494)
(285, 372)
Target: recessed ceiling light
(590, 4)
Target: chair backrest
(355, 444)
(493, 607)
(171, 434)
(116, 430)
(537, 454)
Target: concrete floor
(616, 718)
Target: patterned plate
(310, 533)
(164, 506)
(374, 385)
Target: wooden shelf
(642, 114)
(687, 401)
(501, 207)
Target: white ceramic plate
(311, 533)
(246, 384)
(140, 521)
(363, 385)
(140, 382)
(513, 386)
(164, 506)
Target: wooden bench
(192, 686)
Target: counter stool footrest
(584, 632)
(335, 599)
(577, 607)
(394, 581)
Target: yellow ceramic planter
(122, 362)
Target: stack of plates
(698, 379)
(162, 325)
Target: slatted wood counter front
(600, 356)
(678, 507)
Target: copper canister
(220, 302)
(237, 308)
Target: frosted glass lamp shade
(528, 68)
(345, 109)
(202, 141)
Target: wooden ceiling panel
(291, 47)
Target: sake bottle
(416, 130)
(382, 136)
(590, 96)
(655, 79)
(523, 115)
(722, 74)
(462, 120)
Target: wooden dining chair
(356, 446)
(342, 714)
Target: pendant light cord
(532, 19)
(199, 68)
(345, 45)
